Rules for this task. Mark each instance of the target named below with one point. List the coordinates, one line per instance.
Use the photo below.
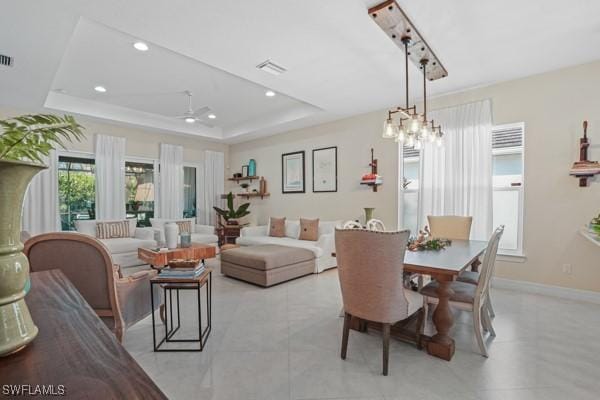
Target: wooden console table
(73, 348)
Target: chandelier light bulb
(410, 142)
(438, 141)
(390, 130)
(401, 138)
(415, 124)
(418, 145)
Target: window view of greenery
(76, 190)
(139, 190)
(189, 192)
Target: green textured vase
(16, 326)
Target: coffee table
(159, 259)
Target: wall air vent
(6, 60)
(270, 67)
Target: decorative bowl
(183, 263)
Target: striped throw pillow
(112, 230)
(184, 226)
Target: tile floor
(283, 343)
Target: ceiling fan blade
(202, 110)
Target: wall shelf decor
(253, 194)
(372, 179)
(243, 178)
(584, 169)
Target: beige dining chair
(370, 267)
(352, 225)
(468, 297)
(450, 227)
(119, 301)
(375, 225)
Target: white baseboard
(548, 290)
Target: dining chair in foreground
(450, 227)
(370, 266)
(119, 301)
(352, 225)
(469, 297)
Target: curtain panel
(213, 185)
(110, 177)
(40, 208)
(170, 199)
(456, 179)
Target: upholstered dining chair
(450, 227)
(352, 225)
(119, 301)
(375, 225)
(375, 293)
(469, 297)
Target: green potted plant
(595, 224)
(24, 142)
(231, 215)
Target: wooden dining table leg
(441, 344)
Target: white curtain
(170, 200)
(40, 207)
(456, 179)
(213, 186)
(110, 177)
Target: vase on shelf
(369, 213)
(16, 326)
(252, 167)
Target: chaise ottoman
(268, 264)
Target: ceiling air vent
(6, 60)
(270, 67)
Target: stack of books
(585, 168)
(169, 272)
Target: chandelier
(404, 124)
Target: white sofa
(124, 251)
(322, 248)
(204, 234)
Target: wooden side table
(228, 234)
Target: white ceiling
(339, 62)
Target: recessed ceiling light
(211, 116)
(190, 120)
(269, 93)
(141, 46)
(100, 89)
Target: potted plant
(231, 215)
(595, 224)
(24, 141)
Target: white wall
(354, 138)
(552, 105)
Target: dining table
(444, 266)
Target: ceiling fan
(192, 116)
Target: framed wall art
(292, 172)
(324, 164)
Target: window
(76, 190)
(411, 190)
(189, 191)
(139, 191)
(507, 153)
(508, 186)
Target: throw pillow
(112, 230)
(277, 227)
(309, 229)
(184, 226)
